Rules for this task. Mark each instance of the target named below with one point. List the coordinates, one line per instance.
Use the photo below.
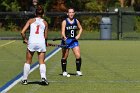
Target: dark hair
(39, 10)
(71, 8)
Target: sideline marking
(18, 78)
(7, 43)
(97, 81)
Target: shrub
(137, 24)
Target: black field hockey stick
(24, 42)
(56, 45)
(55, 39)
(67, 45)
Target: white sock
(26, 71)
(43, 70)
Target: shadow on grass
(73, 74)
(36, 82)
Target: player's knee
(28, 62)
(78, 56)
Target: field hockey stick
(57, 39)
(56, 45)
(65, 45)
(24, 42)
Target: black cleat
(44, 82)
(24, 82)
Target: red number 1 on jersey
(37, 29)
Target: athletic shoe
(24, 82)
(79, 73)
(65, 74)
(44, 82)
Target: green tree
(10, 5)
(91, 22)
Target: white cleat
(79, 73)
(65, 74)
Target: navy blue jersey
(71, 29)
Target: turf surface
(108, 67)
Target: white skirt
(39, 47)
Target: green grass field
(108, 67)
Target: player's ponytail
(39, 10)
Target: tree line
(91, 23)
(62, 5)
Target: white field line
(36, 87)
(12, 85)
(18, 80)
(97, 81)
(7, 43)
(45, 59)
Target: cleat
(65, 74)
(24, 82)
(79, 73)
(44, 82)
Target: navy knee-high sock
(63, 64)
(78, 64)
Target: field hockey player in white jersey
(35, 43)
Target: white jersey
(37, 29)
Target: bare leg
(26, 69)
(41, 57)
(65, 53)
(76, 52)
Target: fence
(129, 25)
(120, 29)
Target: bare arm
(80, 30)
(46, 30)
(63, 30)
(24, 31)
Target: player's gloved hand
(25, 41)
(46, 42)
(64, 38)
